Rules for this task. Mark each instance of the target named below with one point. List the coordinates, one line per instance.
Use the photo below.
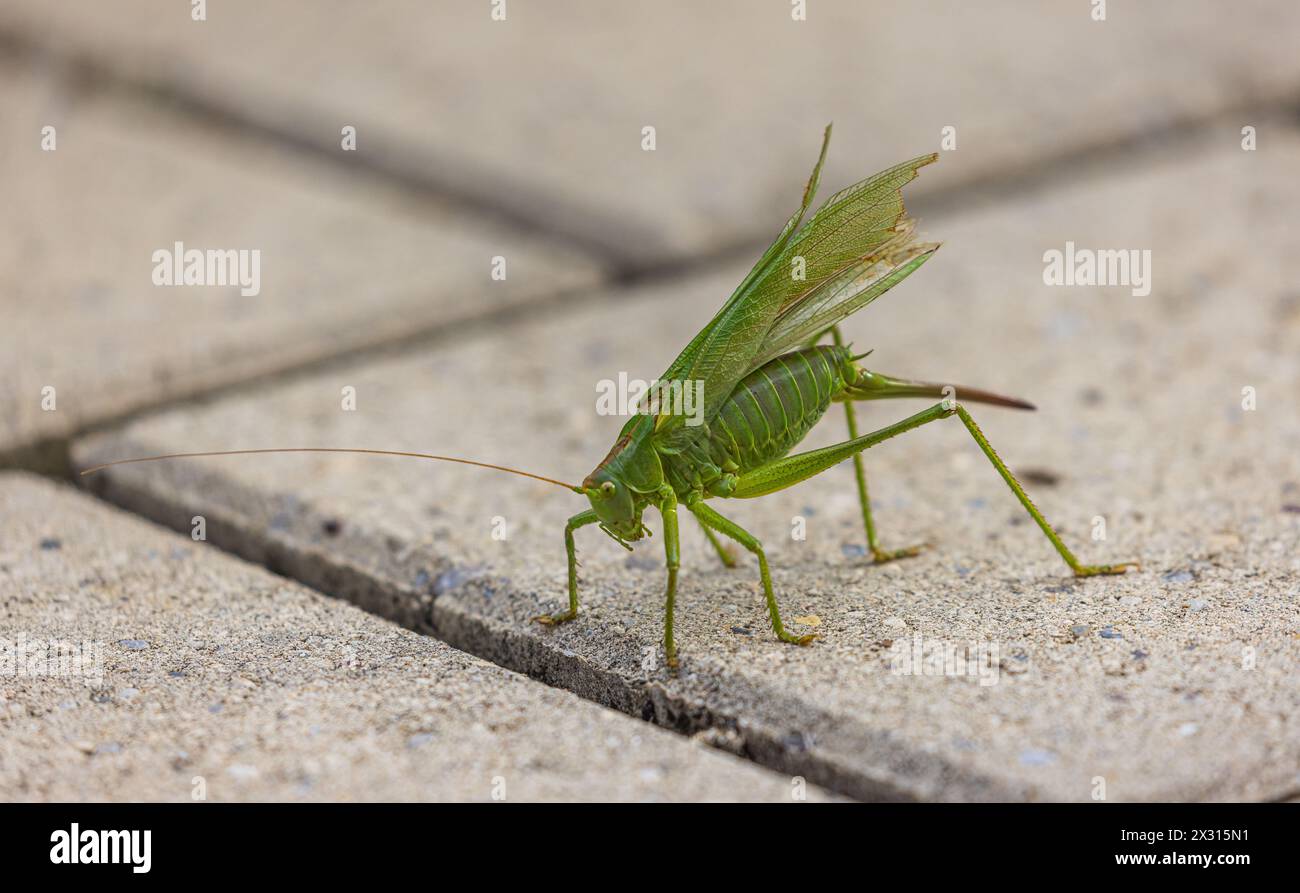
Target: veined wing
(845, 293)
(857, 223)
(690, 365)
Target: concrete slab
(343, 264)
(207, 678)
(542, 113)
(1177, 682)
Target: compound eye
(607, 488)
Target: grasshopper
(767, 379)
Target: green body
(766, 383)
(765, 416)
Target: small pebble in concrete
(1037, 757)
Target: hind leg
(724, 554)
(879, 555)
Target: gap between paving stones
(336, 572)
(51, 456)
(44, 448)
(389, 172)
(197, 656)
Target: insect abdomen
(773, 407)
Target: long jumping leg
(792, 469)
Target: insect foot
(796, 640)
(1095, 570)
(881, 556)
(555, 619)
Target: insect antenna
(527, 474)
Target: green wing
(686, 367)
(805, 276)
(844, 294)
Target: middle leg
(879, 555)
(709, 518)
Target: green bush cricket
(765, 380)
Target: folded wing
(858, 245)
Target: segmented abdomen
(773, 407)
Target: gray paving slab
(542, 113)
(343, 264)
(1175, 682)
(188, 672)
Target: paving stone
(543, 113)
(1175, 682)
(204, 674)
(344, 264)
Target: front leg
(582, 519)
(668, 509)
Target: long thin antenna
(536, 477)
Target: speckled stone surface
(543, 113)
(344, 263)
(1175, 682)
(203, 675)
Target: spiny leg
(709, 518)
(668, 509)
(582, 519)
(723, 552)
(860, 472)
(790, 470)
(1080, 570)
